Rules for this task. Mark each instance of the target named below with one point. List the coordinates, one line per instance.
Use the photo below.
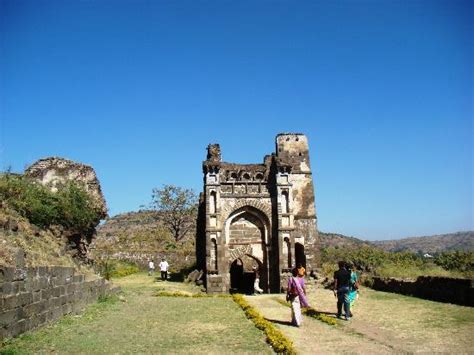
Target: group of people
(345, 289)
(163, 265)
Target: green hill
(462, 241)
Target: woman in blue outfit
(354, 287)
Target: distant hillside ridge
(336, 240)
(140, 236)
(462, 241)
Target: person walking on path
(353, 287)
(164, 269)
(342, 278)
(296, 295)
(151, 267)
(256, 284)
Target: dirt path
(382, 323)
(316, 337)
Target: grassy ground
(148, 324)
(407, 323)
(382, 323)
(141, 323)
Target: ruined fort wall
(34, 296)
(441, 289)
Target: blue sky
(137, 89)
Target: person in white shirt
(151, 267)
(164, 269)
(256, 284)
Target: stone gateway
(257, 218)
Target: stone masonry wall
(441, 289)
(32, 297)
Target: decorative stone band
(240, 251)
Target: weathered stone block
(78, 278)
(42, 306)
(36, 296)
(57, 313)
(54, 302)
(63, 299)
(7, 274)
(19, 274)
(8, 317)
(7, 288)
(56, 271)
(19, 286)
(17, 328)
(58, 281)
(71, 288)
(32, 273)
(30, 310)
(9, 302)
(3, 333)
(46, 294)
(43, 317)
(43, 282)
(25, 298)
(56, 292)
(43, 271)
(35, 284)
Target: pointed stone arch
(260, 206)
(247, 233)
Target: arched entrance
(242, 274)
(246, 236)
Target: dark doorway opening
(300, 258)
(241, 281)
(236, 275)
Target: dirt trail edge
(316, 337)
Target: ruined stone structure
(53, 172)
(256, 218)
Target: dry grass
(406, 323)
(143, 323)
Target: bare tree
(177, 209)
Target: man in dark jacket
(342, 279)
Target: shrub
(109, 268)
(187, 294)
(123, 268)
(398, 264)
(457, 260)
(71, 206)
(275, 337)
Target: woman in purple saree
(296, 295)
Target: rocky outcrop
(54, 172)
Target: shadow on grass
(282, 322)
(333, 314)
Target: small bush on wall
(71, 206)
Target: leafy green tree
(177, 208)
